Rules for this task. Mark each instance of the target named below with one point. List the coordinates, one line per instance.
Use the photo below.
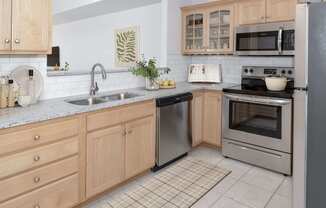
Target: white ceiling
(73, 10)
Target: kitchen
(187, 103)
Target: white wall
(90, 41)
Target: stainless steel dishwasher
(173, 139)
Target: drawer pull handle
(37, 179)
(37, 158)
(37, 138)
(37, 206)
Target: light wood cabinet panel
(17, 139)
(251, 11)
(37, 157)
(105, 159)
(33, 179)
(5, 25)
(212, 118)
(197, 118)
(280, 10)
(61, 194)
(31, 21)
(140, 146)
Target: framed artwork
(127, 46)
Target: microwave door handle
(280, 40)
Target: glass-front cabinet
(208, 30)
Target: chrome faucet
(94, 87)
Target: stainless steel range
(257, 123)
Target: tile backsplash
(75, 85)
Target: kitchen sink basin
(87, 101)
(103, 99)
(120, 96)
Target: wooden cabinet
(212, 118)
(280, 10)
(251, 11)
(207, 118)
(264, 11)
(41, 164)
(123, 149)
(208, 30)
(26, 26)
(140, 146)
(197, 118)
(5, 25)
(105, 159)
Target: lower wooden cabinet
(197, 118)
(140, 146)
(105, 156)
(207, 118)
(119, 152)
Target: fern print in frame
(127, 47)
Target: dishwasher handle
(171, 100)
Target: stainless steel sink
(103, 99)
(87, 101)
(120, 96)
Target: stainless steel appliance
(207, 73)
(173, 129)
(309, 151)
(257, 123)
(272, 39)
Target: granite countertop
(58, 108)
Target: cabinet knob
(37, 179)
(17, 41)
(262, 18)
(37, 206)
(130, 131)
(7, 41)
(37, 138)
(37, 158)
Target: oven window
(257, 119)
(262, 41)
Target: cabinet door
(212, 118)
(105, 159)
(140, 146)
(220, 29)
(280, 10)
(197, 112)
(5, 25)
(194, 32)
(251, 12)
(31, 22)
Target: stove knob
(283, 72)
(251, 71)
(246, 71)
(290, 72)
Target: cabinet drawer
(15, 139)
(33, 158)
(61, 194)
(33, 179)
(118, 115)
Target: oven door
(260, 121)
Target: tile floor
(246, 187)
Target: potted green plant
(149, 71)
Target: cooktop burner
(253, 82)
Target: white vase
(152, 84)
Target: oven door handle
(264, 101)
(280, 40)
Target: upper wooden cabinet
(26, 26)
(280, 10)
(208, 30)
(265, 11)
(251, 11)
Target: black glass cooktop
(259, 91)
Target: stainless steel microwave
(271, 39)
